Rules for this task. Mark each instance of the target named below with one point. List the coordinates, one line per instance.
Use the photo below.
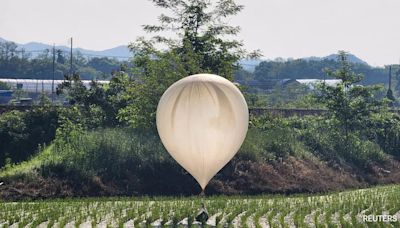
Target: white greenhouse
(39, 85)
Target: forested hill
(311, 68)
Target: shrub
(384, 129)
(105, 152)
(128, 158)
(22, 132)
(327, 141)
(274, 137)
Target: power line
(70, 71)
(54, 73)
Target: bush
(22, 132)
(384, 129)
(4, 86)
(105, 152)
(327, 141)
(273, 137)
(128, 158)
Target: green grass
(278, 211)
(26, 167)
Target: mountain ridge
(120, 52)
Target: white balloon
(202, 121)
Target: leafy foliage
(201, 47)
(100, 104)
(350, 104)
(202, 29)
(22, 132)
(384, 129)
(305, 69)
(4, 86)
(142, 95)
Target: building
(311, 83)
(271, 84)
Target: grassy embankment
(275, 158)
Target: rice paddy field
(344, 209)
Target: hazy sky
(369, 29)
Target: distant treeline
(309, 69)
(16, 63)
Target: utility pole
(70, 71)
(390, 77)
(54, 73)
(389, 93)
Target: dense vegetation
(303, 69)
(105, 142)
(25, 133)
(346, 209)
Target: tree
(22, 131)
(142, 95)
(202, 29)
(104, 64)
(390, 97)
(8, 50)
(18, 94)
(201, 46)
(99, 104)
(60, 57)
(43, 100)
(398, 80)
(4, 86)
(349, 103)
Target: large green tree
(350, 104)
(202, 42)
(202, 39)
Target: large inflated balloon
(202, 121)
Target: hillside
(120, 173)
(351, 58)
(279, 155)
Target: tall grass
(108, 151)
